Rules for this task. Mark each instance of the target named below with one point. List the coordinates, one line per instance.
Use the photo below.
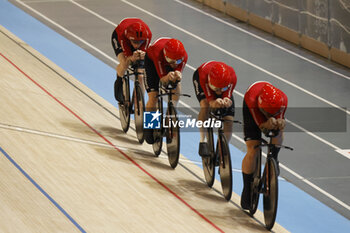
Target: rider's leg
(175, 98)
(118, 89)
(277, 140)
(228, 126)
(152, 101)
(248, 168)
(202, 116)
(252, 136)
(118, 84)
(249, 160)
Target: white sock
(203, 135)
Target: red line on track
(119, 150)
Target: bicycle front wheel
(209, 162)
(225, 167)
(124, 109)
(139, 108)
(256, 186)
(158, 133)
(172, 137)
(270, 192)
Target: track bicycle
(172, 131)
(267, 182)
(136, 105)
(220, 157)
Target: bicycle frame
(221, 154)
(168, 91)
(173, 147)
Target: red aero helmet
(270, 100)
(136, 31)
(174, 49)
(219, 75)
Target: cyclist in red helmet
(214, 83)
(164, 62)
(130, 39)
(264, 107)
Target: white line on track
(330, 196)
(47, 134)
(239, 58)
(262, 39)
(85, 141)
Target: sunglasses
(173, 61)
(216, 89)
(137, 41)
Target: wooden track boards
(63, 142)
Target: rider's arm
(270, 124)
(168, 77)
(125, 62)
(216, 103)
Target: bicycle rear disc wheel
(270, 193)
(158, 133)
(124, 109)
(256, 187)
(172, 137)
(225, 167)
(139, 108)
(209, 162)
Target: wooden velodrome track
(66, 166)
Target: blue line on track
(42, 190)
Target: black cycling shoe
(246, 193)
(203, 149)
(118, 90)
(245, 199)
(148, 135)
(217, 161)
